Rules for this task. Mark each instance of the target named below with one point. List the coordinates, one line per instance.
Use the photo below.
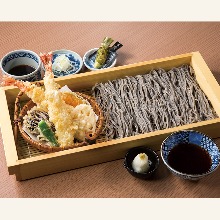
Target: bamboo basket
(19, 113)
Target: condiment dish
(75, 61)
(22, 65)
(197, 150)
(89, 60)
(153, 159)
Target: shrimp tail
(9, 81)
(47, 60)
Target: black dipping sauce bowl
(153, 159)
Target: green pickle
(102, 52)
(48, 133)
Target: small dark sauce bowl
(190, 137)
(152, 157)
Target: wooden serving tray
(26, 162)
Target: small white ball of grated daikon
(140, 164)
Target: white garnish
(65, 89)
(61, 63)
(140, 164)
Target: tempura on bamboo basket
(55, 119)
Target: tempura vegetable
(102, 52)
(48, 133)
(72, 116)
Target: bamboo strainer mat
(26, 150)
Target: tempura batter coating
(72, 116)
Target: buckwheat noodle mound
(150, 102)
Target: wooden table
(142, 41)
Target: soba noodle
(154, 101)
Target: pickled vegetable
(102, 52)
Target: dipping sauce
(21, 70)
(189, 159)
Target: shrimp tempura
(31, 90)
(70, 121)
